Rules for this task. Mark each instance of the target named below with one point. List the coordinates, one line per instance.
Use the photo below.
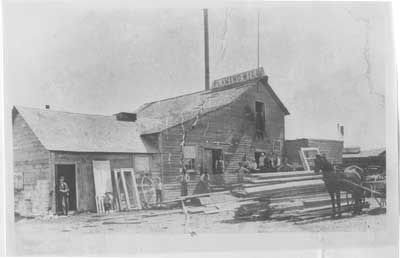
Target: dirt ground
(78, 234)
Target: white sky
(102, 58)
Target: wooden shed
(333, 149)
(365, 158)
(48, 144)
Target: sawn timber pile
(299, 194)
(281, 184)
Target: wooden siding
(331, 148)
(84, 172)
(230, 128)
(31, 160)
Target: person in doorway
(184, 178)
(219, 165)
(261, 160)
(158, 187)
(63, 190)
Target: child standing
(158, 192)
(108, 201)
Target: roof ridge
(147, 104)
(230, 87)
(60, 111)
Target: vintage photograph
(131, 122)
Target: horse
(337, 180)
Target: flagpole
(258, 40)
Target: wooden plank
(118, 190)
(135, 189)
(307, 183)
(102, 181)
(125, 188)
(282, 180)
(282, 174)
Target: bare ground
(51, 235)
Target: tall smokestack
(206, 55)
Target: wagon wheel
(148, 191)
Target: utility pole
(206, 54)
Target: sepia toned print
(129, 123)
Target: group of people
(270, 162)
(267, 163)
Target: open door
(214, 165)
(69, 173)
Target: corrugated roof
(159, 115)
(65, 131)
(366, 153)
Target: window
(142, 164)
(277, 146)
(308, 156)
(260, 120)
(189, 155)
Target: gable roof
(157, 116)
(65, 131)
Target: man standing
(242, 171)
(63, 190)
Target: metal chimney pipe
(206, 54)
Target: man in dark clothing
(63, 190)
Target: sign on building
(240, 77)
(189, 152)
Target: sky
(327, 61)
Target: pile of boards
(298, 195)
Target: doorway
(214, 161)
(68, 172)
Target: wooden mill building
(211, 130)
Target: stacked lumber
(280, 184)
(298, 195)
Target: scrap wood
(162, 214)
(259, 210)
(323, 201)
(194, 196)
